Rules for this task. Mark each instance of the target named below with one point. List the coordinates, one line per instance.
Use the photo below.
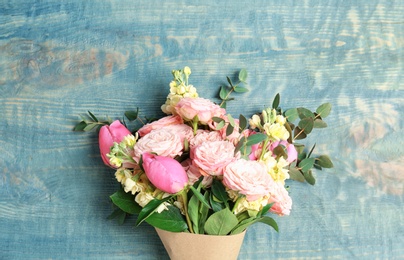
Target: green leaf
(229, 129)
(200, 197)
(119, 215)
(170, 220)
(219, 191)
(239, 89)
(311, 151)
(242, 121)
(221, 223)
(318, 123)
(193, 213)
(93, 116)
(242, 75)
(149, 209)
(304, 113)
(243, 225)
(215, 203)
(324, 161)
(256, 138)
(217, 119)
(308, 176)
(295, 174)
(269, 221)
(299, 134)
(324, 110)
(90, 127)
(229, 80)
(306, 164)
(306, 124)
(126, 202)
(132, 115)
(280, 151)
(292, 114)
(275, 103)
(224, 92)
(220, 125)
(203, 214)
(80, 126)
(231, 120)
(265, 209)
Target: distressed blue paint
(61, 58)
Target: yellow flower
(276, 131)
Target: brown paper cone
(186, 246)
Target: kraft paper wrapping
(186, 246)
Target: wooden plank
(59, 59)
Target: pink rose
(249, 178)
(205, 109)
(182, 130)
(205, 136)
(281, 199)
(164, 173)
(109, 134)
(161, 141)
(194, 174)
(165, 121)
(212, 157)
(290, 149)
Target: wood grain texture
(59, 59)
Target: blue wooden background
(60, 58)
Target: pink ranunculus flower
(205, 136)
(211, 157)
(164, 173)
(108, 135)
(281, 199)
(205, 109)
(161, 141)
(290, 149)
(249, 178)
(165, 121)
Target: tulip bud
(165, 173)
(109, 134)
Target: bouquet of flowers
(199, 169)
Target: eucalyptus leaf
(304, 113)
(318, 123)
(306, 164)
(299, 133)
(220, 125)
(324, 161)
(275, 103)
(93, 116)
(242, 75)
(218, 119)
(242, 121)
(308, 176)
(256, 138)
(239, 89)
(295, 174)
(291, 114)
(324, 110)
(306, 124)
(231, 120)
(224, 92)
(229, 129)
(230, 82)
(221, 223)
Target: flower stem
(185, 202)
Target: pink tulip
(109, 134)
(165, 173)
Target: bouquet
(199, 169)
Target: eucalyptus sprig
(225, 91)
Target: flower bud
(109, 134)
(165, 173)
